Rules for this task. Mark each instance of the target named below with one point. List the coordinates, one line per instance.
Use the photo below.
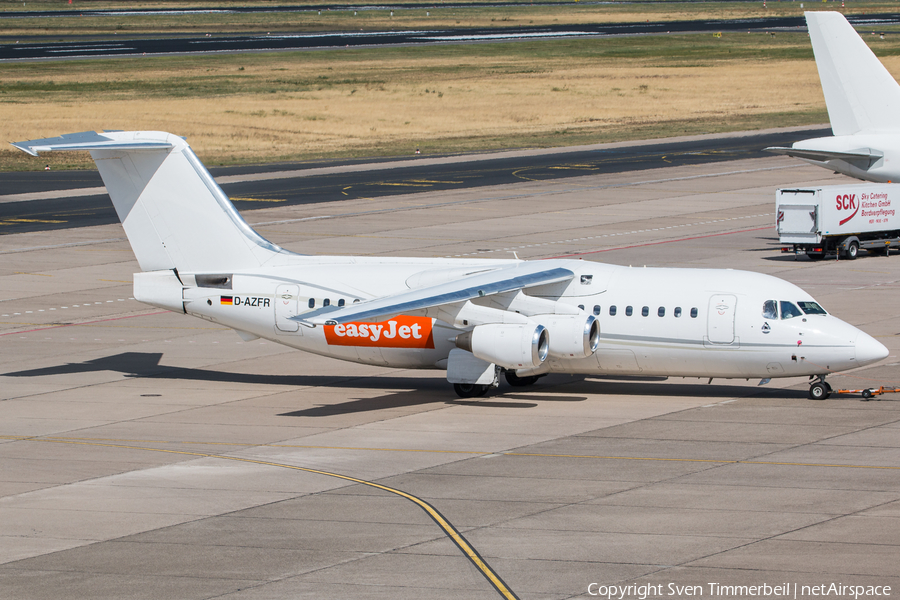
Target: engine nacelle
(512, 346)
(572, 336)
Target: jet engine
(572, 336)
(512, 346)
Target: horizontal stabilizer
(519, 276)
(826, 155)
(89, 140)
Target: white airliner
(863, 103)
(473, 317)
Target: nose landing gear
(820, 390)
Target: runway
(77, 47)
(146, 454)
(278, 42)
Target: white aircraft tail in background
(860, 93)
(863, 101)
(474, 318)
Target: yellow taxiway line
(465, 547)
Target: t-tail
(174, 213)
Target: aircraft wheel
(852, 251)
(516, 381)
(469, 390)
(819, 391)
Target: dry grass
(263, 108)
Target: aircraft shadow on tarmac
(146, 365)
(426, 390)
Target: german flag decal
(226, 300)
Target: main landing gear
(516, 381)
(474, 390)
(470, 390)
(820, 390)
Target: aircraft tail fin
(860, 93)
(173, 212)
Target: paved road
(254, 190)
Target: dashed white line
(40, 310)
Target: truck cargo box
(828, 219)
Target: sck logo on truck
(847, 202)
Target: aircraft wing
(515, 277)
(826, 155)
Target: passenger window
(312, 302)
(811, 308)
(628, 311)
(612, 310)
(662, 311)
(596, 310)
(770, 309)
(677, 311)
(694, 313)
(326, 302)
(645, 311)
(789, 311)
(581, 307)
(341, 302)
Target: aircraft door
(285, 308)
(720, 323)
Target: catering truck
(838, 220)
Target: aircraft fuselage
(653, 322)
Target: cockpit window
(811, 308)
(789, 310)
(770, 309)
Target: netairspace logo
(718, 590)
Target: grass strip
(255, 108)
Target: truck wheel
(852, 250)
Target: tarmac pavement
(146, 454)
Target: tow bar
(869, 393)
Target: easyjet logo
(847, 202)
(399, 332)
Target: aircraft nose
(869, 350)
